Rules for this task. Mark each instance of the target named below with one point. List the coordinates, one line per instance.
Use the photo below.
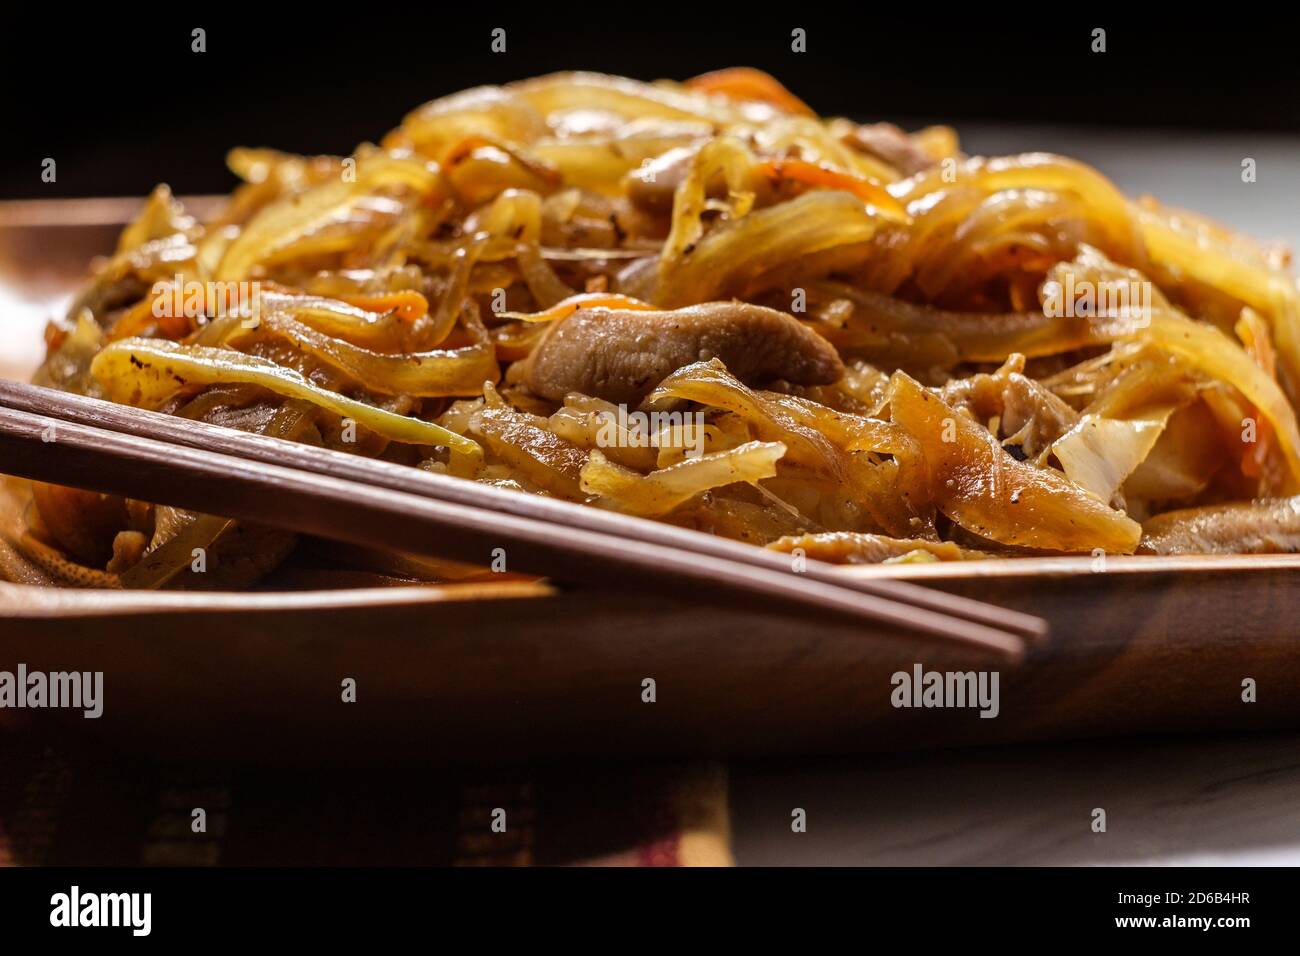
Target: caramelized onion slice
(665, 489)
(850, 547)
(148, 372)
(439, 372)
(979, 485)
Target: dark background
(124, 103)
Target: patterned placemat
(70, 806)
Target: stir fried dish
(698, 303)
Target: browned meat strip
(651, 187)
(621, 355)
(1256, 527)
(1031, 415)
(886, 141)
(1034, 415)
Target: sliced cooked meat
(892, 144)
(651, 187)
(621, 355)
(1256, 527)
(1032, 417)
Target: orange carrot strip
(54, 337)
(583, 300)
(137, 320)
(408, 304)
(813, 174)
(747, 83)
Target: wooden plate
(461, 673)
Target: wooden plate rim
(20, 601)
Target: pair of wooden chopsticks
(68, 439)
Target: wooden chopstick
(49, 449)
(262, 448)
(189, 464)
